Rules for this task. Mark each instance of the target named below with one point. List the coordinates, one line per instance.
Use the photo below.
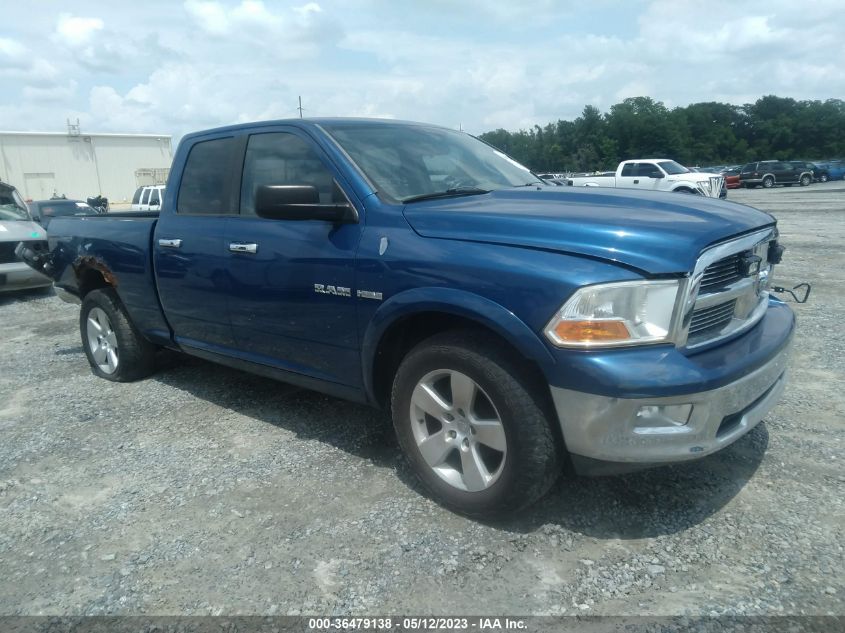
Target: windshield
(410, 161)
(672, 168)
(12, 206)
(66, 207)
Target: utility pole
(300, 107)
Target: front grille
(7, 252)
(712, 318)
(728, 302)
(721, 273)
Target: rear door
(293, 281)
(627, 176)
(191, 259)
(784, 173)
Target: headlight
(621, 313)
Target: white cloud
(211, 16)
(77, 31)
(480, 63)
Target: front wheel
(475, 430)
(768, 182)
(805, 180)
(115, 349)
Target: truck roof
(311, 122)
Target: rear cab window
(207, 182)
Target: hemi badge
(369, 294)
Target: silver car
(16, 226)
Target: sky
(171, 66)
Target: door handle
(636, 182)
(170, 243)
(239, 247)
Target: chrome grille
(712, 318)
(721, 273)
(726, 302)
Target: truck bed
(104, 243)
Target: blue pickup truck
(513, 329)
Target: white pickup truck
(655, 175)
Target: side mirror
(299, 202)
(656, 174)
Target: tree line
(698, 134)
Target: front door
(292, 301)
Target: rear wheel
(473, 427)
(768, 182)
(823, 178)
(805, 180)
(115, 349)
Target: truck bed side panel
(118, 247)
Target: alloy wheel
(102, 341)
(458, 430)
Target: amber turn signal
(585, 331)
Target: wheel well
(684, 190)
(91, 279)
(406, 333)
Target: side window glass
(136, 199)
(645, 169)
(281, 158)
(207, 179)
(628, 169)
(145, 197)
(154, 198)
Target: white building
(80, 165)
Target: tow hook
(800, 288)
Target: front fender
(450, 301)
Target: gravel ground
(203, 490)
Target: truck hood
(654, 232)
(20, 230)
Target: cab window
(206, 185)
(281, 158)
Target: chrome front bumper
(614, 430)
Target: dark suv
(769, 173)
(820, 173)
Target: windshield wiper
(449, 193)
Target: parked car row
(769, 173)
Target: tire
(768, 182)
(492, 450)
(115, 349)
(806, 180)
(823, 178)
